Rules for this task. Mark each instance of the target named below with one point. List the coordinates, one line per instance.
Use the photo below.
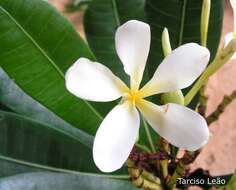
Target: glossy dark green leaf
(182, 18)
(101, 21)
(16, 99)
(24, 139)
(49, 181)
(9, 168)
(12, 96)
(37, 46)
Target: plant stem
(164, 163)
(206, 7)
(142, 178)
(201, 108)
(146, 127)
(177, 174)
(188, 158)
(164, 168)
(223, 57)
(221, 107)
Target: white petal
(132, 45)
(228, 38)
(233, 4)
(116, 137)
(93, 81)
(179, 125)
(178, 70)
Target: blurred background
(219, 155)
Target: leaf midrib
(182, 22)
(60, 170)
(116, 14)
(57, 129)
(48, 58)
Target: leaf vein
(47, 57)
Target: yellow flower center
(134, 96)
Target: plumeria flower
(232, 35)
(118, 132)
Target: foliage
(43, 128)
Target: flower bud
(172, 97)
(166, 42)
(176, 97)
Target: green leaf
(24, 139)
(9, 168)
(37, 46)
(101, 21)
(231, 183)
(182, 18)
(49, 181)
(15, 99)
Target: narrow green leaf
(182, 18)
(101, 21)
(9, 168)
(24, 139)
(16, 99)
(49, 181)
(37, 46)
(14, 166)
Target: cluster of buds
(148, 161)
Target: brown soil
(219, 155)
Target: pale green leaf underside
(49, 181)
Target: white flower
(232, 35)
(118, 132)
